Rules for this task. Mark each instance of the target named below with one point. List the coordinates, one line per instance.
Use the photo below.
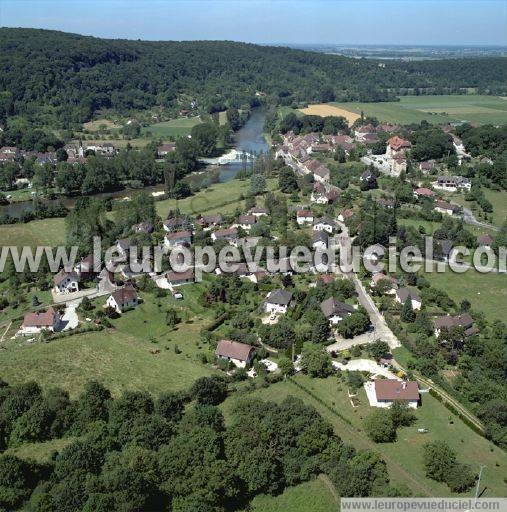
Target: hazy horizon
(272, 22)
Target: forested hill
(66, 77)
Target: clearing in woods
(325, 109)
(97, 124)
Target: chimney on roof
(403, 385)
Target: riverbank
(249, 140)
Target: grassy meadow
(312, 496)
(121, 357)
(172, 128)
(219, 198)
(486, 292)
(497, 198)
(38, 232)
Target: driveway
(469, 218)
(365, 365)
(70, 318)
(345, 344)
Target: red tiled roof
(44, 319)
(178, 234)
(180, 276)
(234, 350)
(391, 389)
(223, 233)
(247, 219)
(124, 295)
(398, 143)
(424, 192)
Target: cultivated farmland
(434, 109)
(327, 109)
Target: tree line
(173, 452)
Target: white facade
(131, 303)
(68, 285)
(369, 387)
(416, 304)
(275, 308)
(323, 226)
(26, 331)
(304, 220)
(319, 244)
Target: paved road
(380, 328)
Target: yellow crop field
(325, 109)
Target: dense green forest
(61, 79)
(175, 452)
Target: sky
(403, 22)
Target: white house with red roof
(304, 217)
(122, 299)
(240, 354)
(384, 392)
(66, 282)
(36, 322)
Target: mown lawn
(499, 201)
(311, 496)
(49, 232)
(118, 360)
(40, 452)
(404, 457)
(497, 198)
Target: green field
(172, 128)
(121, 358)
(39, 232)
(311, 496)
(40, 452)
(404, 457)
(219, 198)
(486, 292)
(497, 198)
(499, 201)
(435, 109)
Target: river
(249, 139)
